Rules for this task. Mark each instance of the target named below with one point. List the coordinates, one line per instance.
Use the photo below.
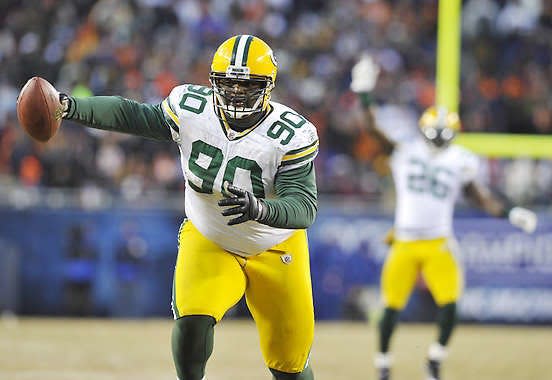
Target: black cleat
(433, 369)
(383, 373)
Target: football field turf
(63, 349)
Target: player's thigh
(279, 296)
(442, 274)
(399, 274)
(207, 279)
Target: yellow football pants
(434, 259)
(209, 280)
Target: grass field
(63, 349)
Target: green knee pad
(306, 374)
(192, 344)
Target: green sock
(306, 374)
(447, 320)
(192, 344)
(386, 326)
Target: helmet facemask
(438, 136)
(438, 127)
(240, 98)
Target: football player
(250, 194)
(429, 174)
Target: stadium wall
(119, 263)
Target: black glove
(246, 204)
(65, 101)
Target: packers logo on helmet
(439, 126)
(242, 75)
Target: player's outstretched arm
(118, 114)
(487, 201)
(294, 208)
(364, 76)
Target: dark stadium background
(88, 221)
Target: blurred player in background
(429, 174)
(244, 157)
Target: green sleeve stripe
(170, 105)
(295, 151)
(172, 124)
(300, 159)
(172, 118)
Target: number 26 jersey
(427, 185)
(212, 153)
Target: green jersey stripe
(295, 151)
(300, 159)
(172, 124)
(170, 116)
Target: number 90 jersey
(212, 153)
(427, 184)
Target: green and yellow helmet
(242, 75)
(439, 126)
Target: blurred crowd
(140, 49)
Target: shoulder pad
(186, 99)
(302, 146)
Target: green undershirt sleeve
(118, 114)
(296, 204)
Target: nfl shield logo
(286, 259)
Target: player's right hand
(364, 74)
(523, 218)
(65, 103)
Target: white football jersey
(211, 154)
(427, 185)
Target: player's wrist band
(262, 211)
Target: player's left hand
(249, 206)
(523, 218)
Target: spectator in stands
(140, 48)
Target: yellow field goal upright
(494, 145)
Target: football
(38, 109)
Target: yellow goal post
(493, 145)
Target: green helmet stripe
(246, 50)
(235, 50)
